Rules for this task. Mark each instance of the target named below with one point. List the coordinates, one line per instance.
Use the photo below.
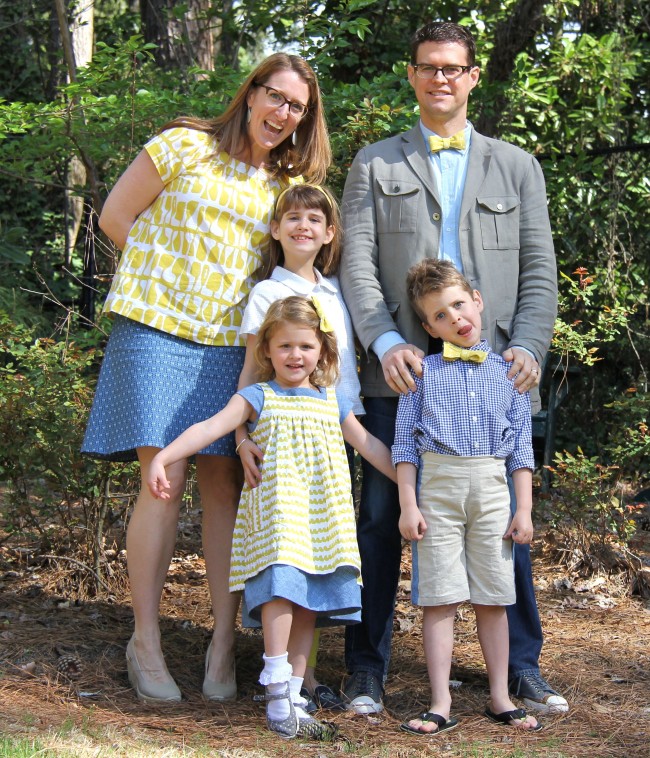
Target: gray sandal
(286, 727)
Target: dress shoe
(148, 690)
(221, 692)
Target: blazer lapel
(477, 168)
(417, 156)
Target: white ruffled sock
(275, 676)
(299, 702)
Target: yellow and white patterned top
(301, 514)
(191, 257)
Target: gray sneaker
(363, 693)
(537, 694)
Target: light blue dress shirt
(450, 170)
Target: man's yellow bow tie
(455, 142)
(452, 352)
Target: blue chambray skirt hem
(335, 597)
(152, 386)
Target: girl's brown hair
(309, 196)
(309, 157)
(301, 312)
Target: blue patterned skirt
(335, 597)
(152, 386)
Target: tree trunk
(82, 33)
(183, 41)
(512, 36)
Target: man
(480, 203)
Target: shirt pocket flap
(397, 187)
(499, 203)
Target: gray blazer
(392, 217)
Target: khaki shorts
(462, 556)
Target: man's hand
(524, 369)
(397, 364)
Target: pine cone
(70, 666)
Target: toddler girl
(294, 549)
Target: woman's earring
(248, 116)
(294, 139)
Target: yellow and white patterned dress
(190, 259)
(301, 514)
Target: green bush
(54, 494)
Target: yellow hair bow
(451, 352)
(325, 325)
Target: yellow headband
(313, 186)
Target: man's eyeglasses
(426, 71)
(277, 100)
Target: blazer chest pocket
(499, 217)
(397, 206)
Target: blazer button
(436, 217)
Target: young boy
(455, 437)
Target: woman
(191, 214)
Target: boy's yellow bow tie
(455, 142)
(452, 352)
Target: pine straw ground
(597, 653)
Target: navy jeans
(367, 645)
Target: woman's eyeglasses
(277, 100)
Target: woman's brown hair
(310, 157)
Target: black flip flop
(507, 717)
(444, 724)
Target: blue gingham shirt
(466, 409)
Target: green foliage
(587, 509)
(576, 89)
(629, 441)
(580, 339)
(46, 389)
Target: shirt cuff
(526, 350)
(384, 342)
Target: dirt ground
(596, 652)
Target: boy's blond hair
(432, 275)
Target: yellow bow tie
(452, 352)
(455, 142)
(325, 325)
